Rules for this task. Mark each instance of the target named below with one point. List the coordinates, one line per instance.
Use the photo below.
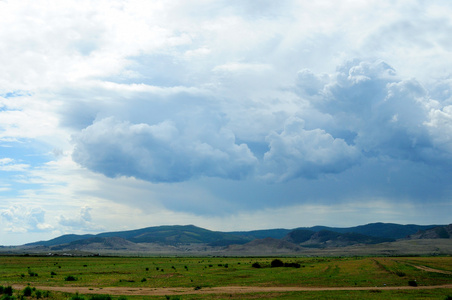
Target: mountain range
(192, 240)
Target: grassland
(134, 276)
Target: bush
(32, 274)
(1, 289)
(292, 265)
(70, 278)
(38, 294)
(277, 263)
(8, 290)
(27, 291)
(256, 265)
(412, 283)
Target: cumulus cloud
(19, 218)
(170, 135)
(164, 152)
(386, 115)
(297, 152)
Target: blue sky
(230, 115)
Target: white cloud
(297, 152)
(8, 164)
(24, 219)
(83, 222)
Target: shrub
(27, 291)
(448, 298)
(52, 273)
(1, 289)
(277, 263)
(256, 265)
(8, 290)
(143, 280)
(70, 278)
(412, 283)
(292, 265)
(38, 294)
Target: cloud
(83, 222)
(297, 152)
(219, 107)
(164, 152)
(9, 165)
(177, 134)
(24, 219)
(385, 115)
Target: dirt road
(216, 290)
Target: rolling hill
(190, 238)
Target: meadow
(191, 276)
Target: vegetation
(202, 273)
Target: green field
(200, 274)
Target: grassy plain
(206, 272)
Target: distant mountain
(383, 230)
(326, 238)
(262, 234)
(64, 239)
(181, 236)
(438, 232)
(299, 236)
(168, 235)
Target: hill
(438, 232)
(383, 230)
(179, 239)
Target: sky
(225, 114)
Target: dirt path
(216, 290)
(428, 269)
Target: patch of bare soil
(216, 290)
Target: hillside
(438, 232)
(191, 239)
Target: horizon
(226, 114)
